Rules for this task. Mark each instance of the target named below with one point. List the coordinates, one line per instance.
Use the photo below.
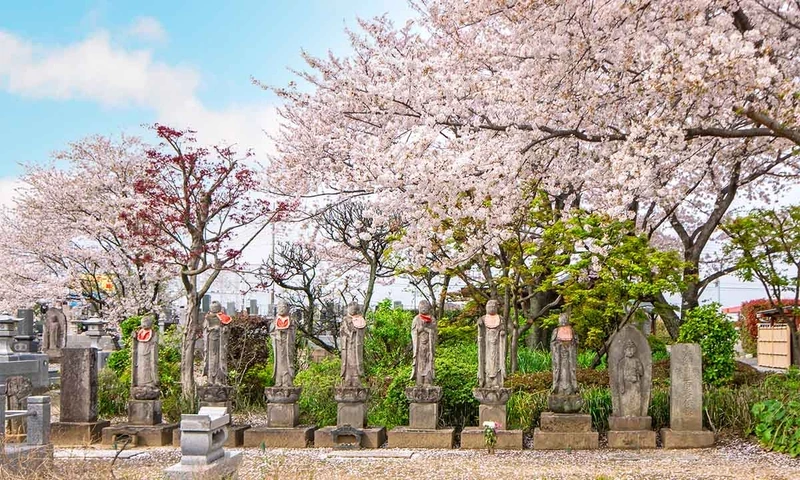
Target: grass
(532, 361)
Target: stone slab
(630, 439)
(351, 413)
(686, 387)
(407, 437)
(423, 416)
(283, 414)
(373, 437)
(78, 385)
(144, 412)
(565, 422)
(226, 467)
(146, 435)
(370, 454)
(269, 437)
(235, 436)
(686, 439)
(96, 454)
(492, 413)
(543, 440)
(620, 424)
(472, 438)
(77, 433)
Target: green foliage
(128, 326)
(748, 323)
(778, 425)
(113, 392)
(524, 409)
(456, 373)
(390, 407)
(534, 360)
(387, 343)
(658, 348)
(710, 328)
(659, 407)
(728, 408)
(597, 403)
(317, 405)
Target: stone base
(75, 433)
(492, 413)
(54, 355)
(623, 424)
(372, 437)
(423, 416)
(406, 437)
(686, 438)
(269, 437)
(472, 438)
(283, 415)
(565, 422)
(565, 403)
(632, 439)
(235, 436)
(565, 440)
(226, 467)
(351, 413)
(146, 435)
(144, 412)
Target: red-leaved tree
(202, 208)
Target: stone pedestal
(282, 408)
(225, 467)
(78, 423)
(277, 437)
(370, 438)
(565, 431)
(686, 399)
(472, 438)
(631, 433)
(139, 435)
(203, 437)
(407, 437)
(423, 420)
(235, 436)
(352, 406)
(492, 404)
(215, 396)
(144, 412)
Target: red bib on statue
(425, 318)
(282, 323)
(144, 334)
(224, 319)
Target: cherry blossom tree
(201, 208)
(64, 233)
(656, 112)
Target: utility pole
(272, 266)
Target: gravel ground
(734, 459)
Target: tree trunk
(671, 319)
(373, 276)
(793, 340)
(187, 347)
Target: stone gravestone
(630, 368)
(78, 424)
(283, 413)
(25, 340)
(491, 393)
(351, 395)
(563, 427)
(144, 407)
(424, 396)
(686, 399)
(202, 454)
(33, 366)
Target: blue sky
(69, 69)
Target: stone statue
(423, 343)
(491, 348)
(351, 341)
(564, 353)
(145, 361)
(630, 371)
(55, 329)
(282, 331)
(217, 322)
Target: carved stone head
(215, 307)
(283, 308)
(424, 307)
(147, 321)
(563, 319)
(492, 307)
(353, 309)
(630, 349)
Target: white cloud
(147, 29)
(96, 69)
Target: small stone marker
(202, 454)
(686, 399)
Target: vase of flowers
(490, 435)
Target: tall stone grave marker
(32, 366)
(283, 413)
(491, 393)
(423, 431)
(78, 423)
(563, 427)
(630, 367)
(686, 399)
(351, 395)
(25, 340)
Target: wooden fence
(774, 349)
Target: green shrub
(113, 392)
(389, 407)
(525, 409)
(728, 408)
(778, 425)
(317, 405)
(531, 361)
(387, 344)
(709, 327)
(597, 403)
(453, 335)
(457, 374)
(658, 348)
(659, 407)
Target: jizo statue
(217, 322)
(423, 341)
(282, 331)
(564, 353)
(351, 341)
(145, 355)
(491, 348)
